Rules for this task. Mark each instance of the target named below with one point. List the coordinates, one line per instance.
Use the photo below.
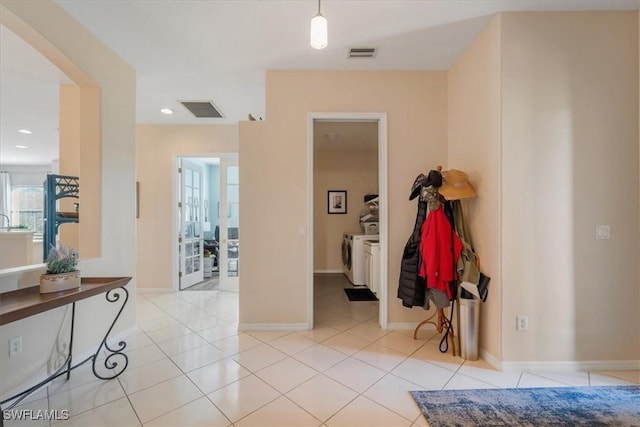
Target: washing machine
(353, 261)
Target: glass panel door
(190, 237)
(229, 223)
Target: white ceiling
(218, 50)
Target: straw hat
(455, 185)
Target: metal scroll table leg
(73, 318)
(118, 352)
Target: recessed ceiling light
(25, 131)
(167, 111)
(24, 147)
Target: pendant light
(319, 30)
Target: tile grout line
(377, 403)
(386, 373)
(49, 403)
(98, 406)
(183, 373)
(206, 395)
(519, 379)
(131, 404)
(551, 379)
(261, 406)
(358, 394)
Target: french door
(190, 233)
(229, 216)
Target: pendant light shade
(319, 30)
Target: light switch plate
(603, 232)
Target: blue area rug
(561, 406)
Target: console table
(26, 302)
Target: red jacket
(438, 263)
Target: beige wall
(474, 146)
(157, 150)
(415, 103)
(69, 157)
(87, 61)
(90, 130)
(569, 162)
(353, 171)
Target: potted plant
(61, 272)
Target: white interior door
(229, 212)
(190, 234)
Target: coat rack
(442, 324)
(455, 186)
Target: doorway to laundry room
(347, 242)
(207, 223)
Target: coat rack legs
(441, 325)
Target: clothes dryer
(353, 260)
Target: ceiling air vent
(202, 109)
(362, 52)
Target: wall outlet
(522, 323)
(15, 346)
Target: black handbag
(483, 287)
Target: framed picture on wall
(337, 201)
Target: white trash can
(469, 328)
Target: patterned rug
(562, 406)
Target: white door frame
(175, 191)
(381, 119)
(198, 275)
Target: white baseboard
(327, 271)
(564, 365)
(155, 290)
(274, 327)
(490, 359)
(588, 365)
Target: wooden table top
(25, 302)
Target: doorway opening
(207, 234)
(356, 182)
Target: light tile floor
(189, 366)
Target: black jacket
(411, 287)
